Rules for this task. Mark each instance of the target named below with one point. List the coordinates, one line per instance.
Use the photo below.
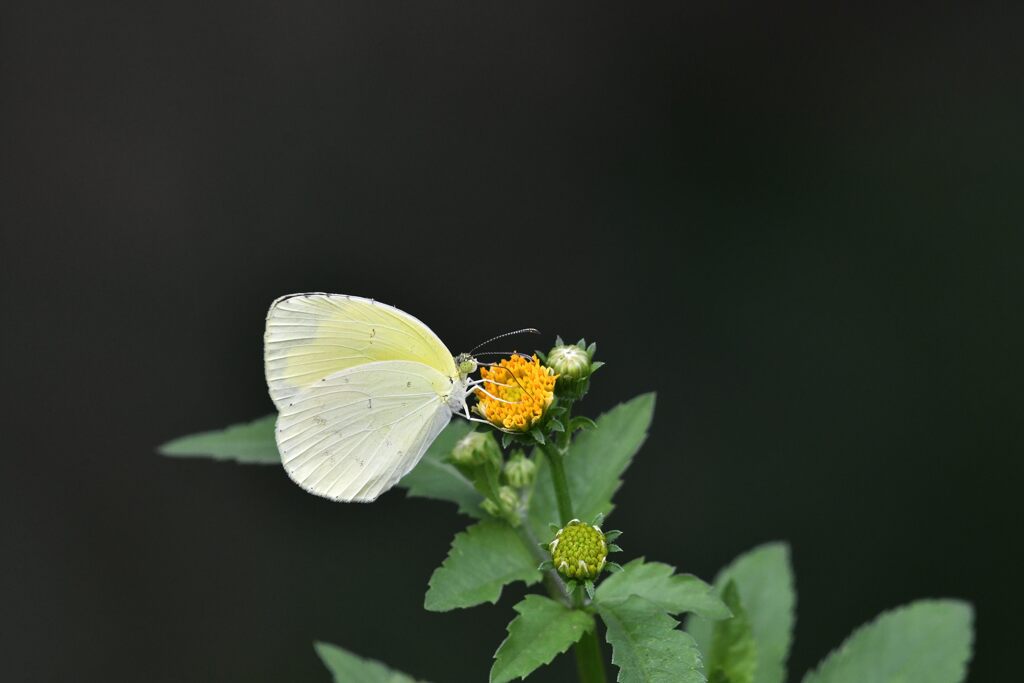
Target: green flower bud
(520, 471)
(508, 498)
(573, 363)
(579, 551)
(506, 506)
(569, 361)
(475, 449)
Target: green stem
(555, 459)
(589, 661)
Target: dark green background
(800, 225)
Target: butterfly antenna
(503, 353)
(525, 330)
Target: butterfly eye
(466, 363)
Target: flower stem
(558, 479)
(589, 660)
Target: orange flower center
(520, 391)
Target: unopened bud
(506, 506)
(573, 363)
(508, 498)
(569, 361)
(475, 449)
(520, 471)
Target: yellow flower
(515, 394)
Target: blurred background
(799, 224)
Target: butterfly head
(466, 364)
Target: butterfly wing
(356, 432)
(311, 336)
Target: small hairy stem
(559, 480)
(589, 662)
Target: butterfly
(361, 389)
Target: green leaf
(764, 580)
(483, 558)
(581, 422)
(928, 641)
(253, 443)
(646, 645)
(543, 629)
(595, 463)
(346, 667)
(249, 443)
(435, 478)
(733, 656)
(657, 583)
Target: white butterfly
(362, 389)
